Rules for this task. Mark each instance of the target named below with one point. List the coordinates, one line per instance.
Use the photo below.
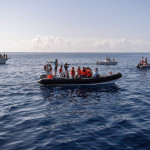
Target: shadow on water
(80, 91)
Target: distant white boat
(3, 60)
(107, 61)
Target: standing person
(61, 72)
(48, 69)
(66, 70)
(72, 72)
(145, 62)
(142, 61)
(56, 65)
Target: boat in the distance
(3, 60)
(101, 80)
(107, 61)
(143, 66)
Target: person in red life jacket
(89, 72)
(61, 72)
(78, 72)
(84, 72)
(72, 72)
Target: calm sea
(35, 117)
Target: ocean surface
(36, 117)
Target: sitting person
(84, 72)
(50, 76)
(78, 72)
(95, 73)
(89, 72)
(72, 72)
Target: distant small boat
(143, 66)
(102, 80)
(3, 60)
(107, 61)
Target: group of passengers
(85, 72)
(3, 56)
(143, 61)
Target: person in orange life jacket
(78, 72)
(89, 72)
(50, 76)
(83, 72)
(72, 72)
(61, 72)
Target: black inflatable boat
(109, 79)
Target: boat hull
(106, 63)
(3, 60)
(144, 67)
(81, 81)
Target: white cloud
(59, 44)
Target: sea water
(39, 117)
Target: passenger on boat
(61, 72)
(142, 61)
(72, 72)
(66, 70)
(50, 76)
(89, 72)
(78, 72)
(84, 72)
(48, 69)
(95, 73)
(56, 65)
(145, 62)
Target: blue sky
(75, 25)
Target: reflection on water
(48, 91)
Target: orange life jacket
(50, 76)
(78, 72)
(72, 72)
(84, 72)
(89, 73)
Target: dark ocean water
(104, 118)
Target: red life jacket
(72, 72)
(78, 72)
(89, 73)
(60, 70)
